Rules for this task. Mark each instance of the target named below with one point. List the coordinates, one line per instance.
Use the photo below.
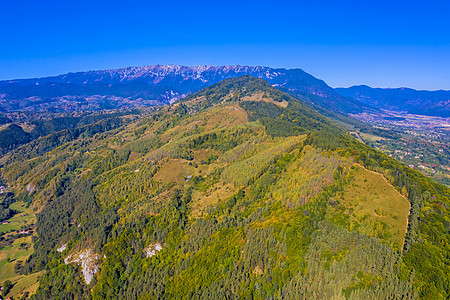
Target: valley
(424, 142)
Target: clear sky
(378, 43)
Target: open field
(174, 170)
(26, 216)
(10, 255)
(25, 283)
(371, 137)
(372, 206)
(260, 97)
(201, 201)
(19, 251)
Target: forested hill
(13, 135)
(262, 102)
(237, 191)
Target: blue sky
(378, 43)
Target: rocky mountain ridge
(161, 83)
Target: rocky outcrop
(152, 249)
(62, 248)
(31, 188)
(89, 262)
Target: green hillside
(239, 191)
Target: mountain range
(432, 103)
(162, 84)
(158, 84)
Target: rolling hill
(236, 191)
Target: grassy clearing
(372, 206)
(371, 137)
(174, 170)
(14, 253)
(201, 201)
(224, 116)
(25, 283)
(26, 216)
(203, 154)
(258, 97)
(10, 255)
(215, 118)
(20, 250)
(27, 127)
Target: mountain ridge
(422, 102)
(168, 83)
(390, 88)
